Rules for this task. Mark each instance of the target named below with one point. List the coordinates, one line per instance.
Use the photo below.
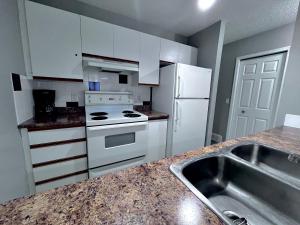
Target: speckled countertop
(154, 115)
(148, 194)
(64, 118)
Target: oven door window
(119, 140)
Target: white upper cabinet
(126, 43)
(54, 41)
(168, 50)
(187, 54)
(149, 59)
(97, 37)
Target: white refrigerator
(184, 94)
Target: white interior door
(256, 93)
(189, 127)
(192, 82)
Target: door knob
(243, 111)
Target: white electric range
(116, 134)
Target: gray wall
(12, 165)
(289, 101)
(101, 14)
(210, 44)
(268, 40)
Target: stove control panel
(108, 98)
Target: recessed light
(205, 4)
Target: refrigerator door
(192, 82)
(189, 129)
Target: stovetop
(106, 115)
(104, 108)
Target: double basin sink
(246, 184)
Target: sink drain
(235, 218)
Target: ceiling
(244, 17)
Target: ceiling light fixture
(205, 4)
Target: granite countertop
(63, 119)
(147, 194)
(70, 119)
(154, 115)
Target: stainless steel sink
(239, 190)
(278, 163)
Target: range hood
(110, 65)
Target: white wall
(210, 45)
(273, 39)
(12, 164)
(289, 101)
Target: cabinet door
(97, 37)
(168, 50)
(126, 43)
(157, 139)
(187, 54)
(149, 60)
(54, 41)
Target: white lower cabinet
(59, 169)
(157, 140)
(55, 157)
(61, 182)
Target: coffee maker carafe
(44, 104)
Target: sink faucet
(294, 158)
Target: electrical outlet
(74, 98)
(227, 100)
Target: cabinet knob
(76, 54)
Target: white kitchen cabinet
(57, 152)
(168, 50)
(59, 169)
(157, 140)
(97, 37)
(149, 59)
(61, 182)
(187, 54)
(126, 43)
(56, 135)
(54, 41)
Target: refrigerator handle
(176, 115)
(178, 86)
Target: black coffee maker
(44, 104)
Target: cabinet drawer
(50, 153)
(59, 169)
(61, 182)
(56, 135)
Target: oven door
(114, 143)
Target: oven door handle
(96, 128)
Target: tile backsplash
(74, 92)
(110, 82)
(65, 91)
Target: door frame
(235, 82)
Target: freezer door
(192, 82)
(189, 128)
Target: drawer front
(59, 169)
(56, 135)
(50, 153)
(61, 182)
(100, 171)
